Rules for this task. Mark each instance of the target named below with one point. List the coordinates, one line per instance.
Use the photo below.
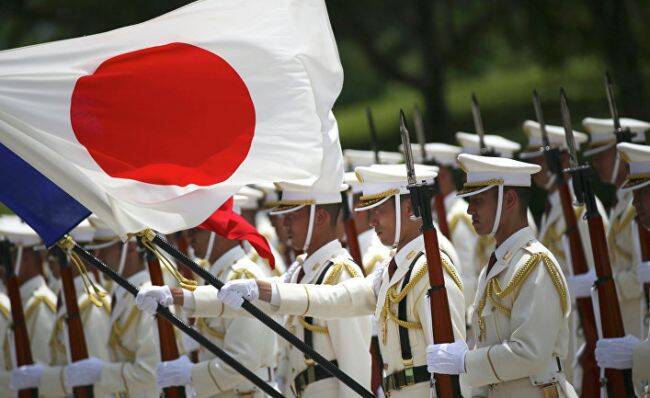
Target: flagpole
(264, 318)
(166, 313)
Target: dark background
(397, 54)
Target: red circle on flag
(169, 115)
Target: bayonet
(568, 130)
(408, 153)
(540, 119)
(419, 132)
(374, 141)
(622, 134)
(478, 123)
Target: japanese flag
(157, 124)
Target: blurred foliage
(398, 53)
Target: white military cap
(248, 198)
(102, 231)
(297, 196)
(638, 158)
(602, 134)
(381, 182)
(354, 158)
(18, 232)
(442, 154)
(485, 172)
(83, 232)
(351, 180)
(502, 146)
(556, 137)
(271, 194)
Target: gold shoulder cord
(372, 263)
(392, 297)
(147, 237)
(241, 273)
(117, 332)
(57, 347)
(552, 240)
(203, 325)
(616, 227)
(458, 217)
(496, 294)
(95, 294)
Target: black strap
(311, 374)
(406, 377)
(309, 336)
(404, 340)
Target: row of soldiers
(509, 284)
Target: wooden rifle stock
(351, 233)
(76, 336)
(441, 214)
(22, 346)
(166, 335)
(644, 241)
(619, 382)
(183, 246)
(590, 384)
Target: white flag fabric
(157, 124)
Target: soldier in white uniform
(553, 227)
(629, 352)
(622, 234)
(95, 321)
(522, 304)
(39, 302)
(132, 341)
(241, 337)
(395, 293)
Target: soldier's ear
(321, 217)
(510, 199)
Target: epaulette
(495, 293)
(338, 265)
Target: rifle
(447, 386)
(622, 134)
(71, 247)
(374, 141)
(183, 246)
(644, 241)
(166, 336)
(439, 197)
(22, 347)
(591, 373)
(247, 306)
(351, 232)
(478, 127)
(76, 336)
(618, 382)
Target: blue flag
(48, 209)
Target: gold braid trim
(552, 240)
(372, 263)
(4, 311)
(392, 297)
(241, 273)
(496, 294)
(616, 227)
(472, 186)
(117, 332)
(202, 324)
(37, 300)
(57, 347)
(458, 217)
(313, 328)
(106, 305)
(367, 200)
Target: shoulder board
(339, 265)
(524, 271)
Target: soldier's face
(642, 205)
(482, 209)
(542, 178)
(603, 164)
(295, 225)
(198, 239)
(382, 218)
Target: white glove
(376, 276)
(28, 376)
(234, 292)
(616, 353)
(174, 373)
(580, 285)
(149, 297)
(643, 272)
(83, 373)
(447, 358)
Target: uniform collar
(312, 264)
(404, 256)
(227, 259)
(28, 288)
(514, 242)
(367, 239)
(450, 199)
